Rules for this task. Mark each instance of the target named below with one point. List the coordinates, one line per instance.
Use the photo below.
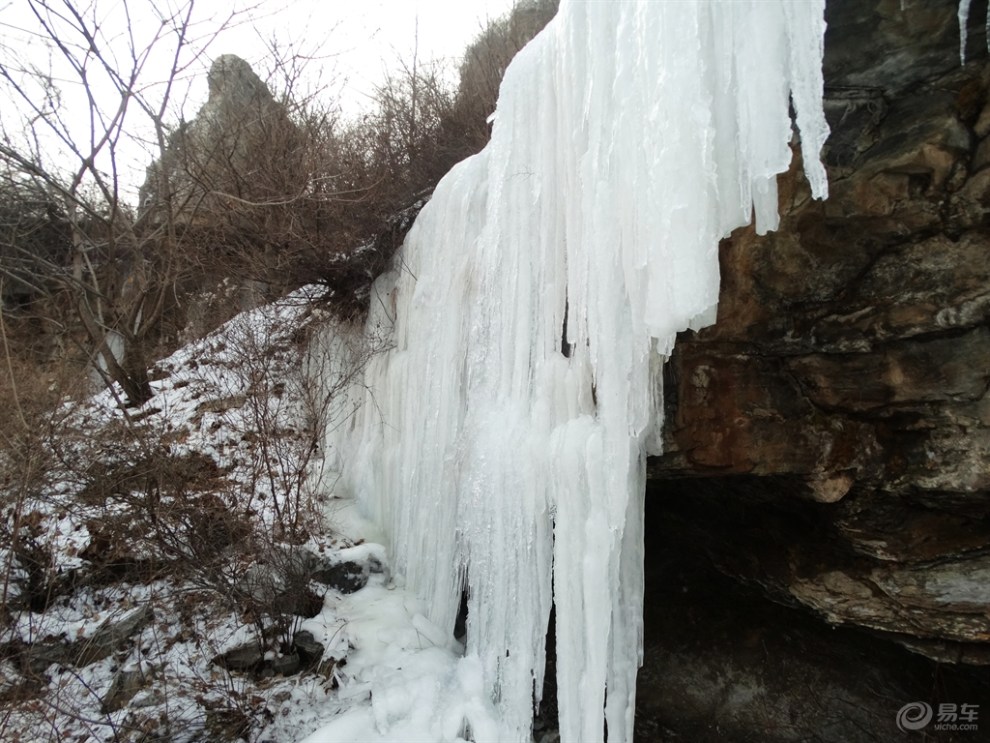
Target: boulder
(111, 635)
(124, 687)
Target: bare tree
(286, 192)
(62, 174)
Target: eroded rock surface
(240, 147)
(850, 363)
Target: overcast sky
(351, 42)
(359, 38)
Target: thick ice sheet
(502, 440)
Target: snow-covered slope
(503, 437)
(149, 518)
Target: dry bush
(276, 191)
(293, 195)
(420, 127)
(324, 200)
(32, 389)
(285, 192)
(384, 166)
(403, 136)
(111, 278)
(159, 510)
(466, 128)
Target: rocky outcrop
(33, 659)
(843, 392)
(241, 147)
(249, 193)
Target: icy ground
(221, 397)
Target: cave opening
(731, 655)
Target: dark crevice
(725, 662)
(565, 344)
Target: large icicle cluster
(503, 439)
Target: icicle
(963, 12)
(963, 24)
(629, 138)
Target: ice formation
(963, 12)
(503, 437)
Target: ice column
(503, 438)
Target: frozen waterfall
(502, 440)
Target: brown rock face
(849, 367)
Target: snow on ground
(245, 397)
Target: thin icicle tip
(963, 23)
(963, 13)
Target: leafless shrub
(466, 128)
(321, 200)
(31, 416)
(99, 268)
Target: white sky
(350, 42)
(361, 37)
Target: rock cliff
(838, 410)
(241, 147)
